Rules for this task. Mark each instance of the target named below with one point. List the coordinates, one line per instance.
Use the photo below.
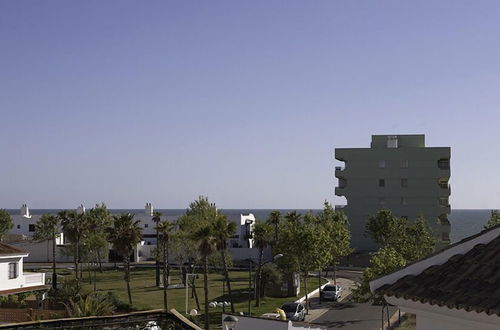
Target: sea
(464, 222)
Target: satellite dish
(212, 304)
(193, 312)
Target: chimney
(149, 209)
(80, 209)
(25, 212)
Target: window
(404, 182)
(149, 243)
(392, 141)
(404, 163)
(146, 225)
(381, 163)
(381, 200)
(443, 201)
(31, 227)
(444, 164)
(13, 273)
(18, 226)
(403, 201)
(381, 182)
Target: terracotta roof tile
(6, 249)
(469, 281)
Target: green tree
(75, 227)
(165, 229)
(262, 237)
(124, 235)
(385, 261)
(5, 222)
(224, 230)
(206, 239)
(46, 230)
(385, 228)
(156, 219)
(494, 219)
(303, 244)
(336, 225)
(274, 220)
(99, 218)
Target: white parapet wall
(252, 323)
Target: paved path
(353, 316)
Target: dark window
(404, 182)
(404, 163)
(381, 182)
(146, 225)
(31, 227)
(444, 164)
(18, 226)
(13, 273)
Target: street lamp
(230, 322)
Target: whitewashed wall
(5, 282)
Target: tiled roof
(469, 281)
(6, 249)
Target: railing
(339, 168)
(33, 279)
(339, 207)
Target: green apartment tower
(397, 172)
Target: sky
(128, 102)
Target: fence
(28, 314)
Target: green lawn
(146, 296)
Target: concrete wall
(38, 251)
(5, 282)
(364, 167)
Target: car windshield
(289, 308)
(329, 288)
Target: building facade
(399, 173)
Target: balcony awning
(25, 289)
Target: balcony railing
(339, 168)
(34, 279)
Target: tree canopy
(5, 222)
(494, 219)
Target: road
(348, 315)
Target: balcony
(339, 171)
(339, 191)
(33, 279)
(445, 188)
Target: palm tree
(262, 236)
(223, 230)
(75, 227)
(125, 234)
(275, 219)
(206, 246)
(92, 305)
(45, 230)
(156, 219)
(165, 228)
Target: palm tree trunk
(76, 259)
(48, 242)
(258, 282)
(166, 272)
(228, 281)
(99, 260)
(205, 288)
(127, 278)
(307, 297)
(194, 293)
(54, 274)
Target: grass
(145, 295)
(408, 322)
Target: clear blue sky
(243, 101)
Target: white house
(455, 289)
(12, 278)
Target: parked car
(331, 292)
(294, 311)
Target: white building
(455, 289)
(12, 278)
(240, 245)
